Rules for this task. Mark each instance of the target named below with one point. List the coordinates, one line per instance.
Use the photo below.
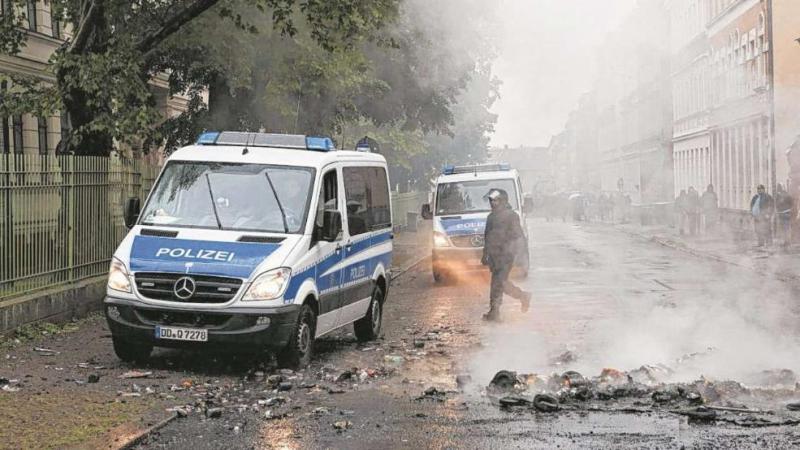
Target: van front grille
(207, 289)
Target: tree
(118, 47)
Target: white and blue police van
(459, 211)
(251, 242)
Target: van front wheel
(131, 351)
(368, 328)
(300, 348)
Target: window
(42, 122)
(32, 15)
(17, 125)
(328, 197)
(66, 127)
(5, 6)
(5, 133)
(55, 24)
(367, 193)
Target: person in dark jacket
(502, 238)
(710, 205)
(761, 207)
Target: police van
(253, 241)
(459, 211)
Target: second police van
(459, 211)
(253, 241)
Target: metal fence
(61, 217)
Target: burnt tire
(131, 351)
(368, 328)
(298, 352)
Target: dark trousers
(763, 229)
(501, 284)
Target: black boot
(492, 316)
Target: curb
(137, 439)
(709, 255)
(403, 270)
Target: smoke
(547, 59)
(623, 308)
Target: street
(602, 299)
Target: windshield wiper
(278, 201)
(213, 202)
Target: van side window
(367, 195)
(328, 197)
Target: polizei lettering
(213, 255)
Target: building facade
(736, 95)
(27, 134)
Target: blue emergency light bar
(247, 139)
(451, 169)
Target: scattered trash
(433, 393)
(9, 388)
(565, 358)
(270, 415)
(419, 344)
(514, 400)
(572, 379)
(700, 414)
(793, 406)
(3, 381)
(45, 351)
(395, 359)
(342, 425)
(504, 380)
(546, 403)
(135, 374)
(463, 380)
(274, 401)
(665, 395)
(321, 411)
(273, 381)
(285, 386)
(93, 378)
(214, 413)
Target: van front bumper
(232, 330)
(455, 258)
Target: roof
(493, 175)
(271, 155)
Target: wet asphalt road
(611, 299)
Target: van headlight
(440, 239)
(118, 278)
(269, 285)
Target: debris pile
(642, 390)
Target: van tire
(300, 349)
(131, 351)
(368, 328)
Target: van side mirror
(331, 226)
(426, 212)
(527, 205)
(132, 209)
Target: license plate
(182, 334)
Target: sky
(546, 61)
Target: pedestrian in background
(710, 205)
(693, 210)
(761, 207)
(502, 238)
(783, 207)
(680, 211)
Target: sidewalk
(410, 247)
(736, 249)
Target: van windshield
(465, 197)
(230, 196)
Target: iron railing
(61, 217)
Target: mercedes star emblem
(184, 288)
(477, 240)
